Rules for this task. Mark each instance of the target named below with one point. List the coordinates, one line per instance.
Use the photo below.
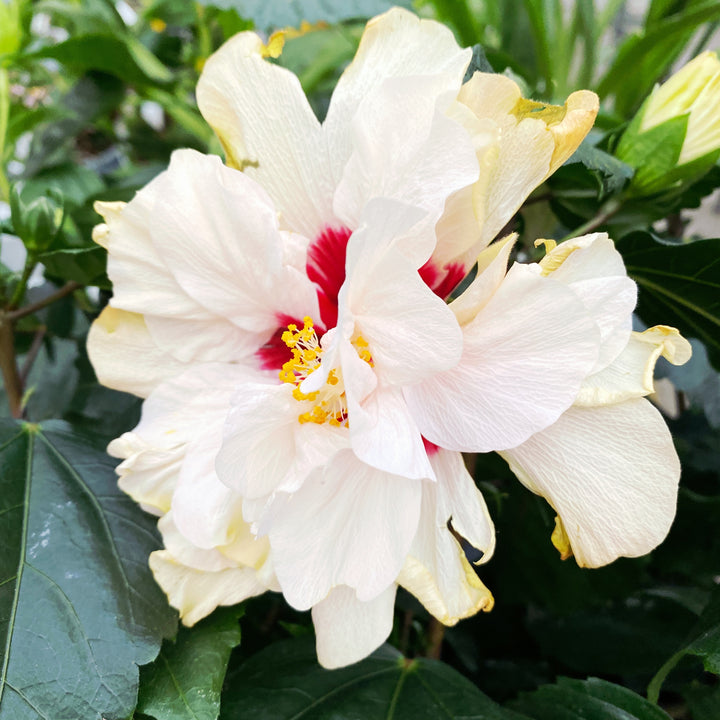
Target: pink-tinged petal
(125, 356)
(401, 142)
(611, 473)
(348, 630)
(524, 358)
(219, 238)
(349, 524)
(436, 570)
(594, 270)
(630, 375)
(394, 45)
(267, 128)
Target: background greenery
(94, 96)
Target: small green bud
(675, 137)
(37, 223)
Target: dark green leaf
(614, 172)
(83, 265)
(268, 14)
(185, 680)
(703, 642)
(587, 700)
(284, 681)
(679, 285)
(79, 609)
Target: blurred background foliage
(94, 96)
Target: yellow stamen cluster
(330, 400)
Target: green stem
(653, 691)
(21, 287)
(436, 633)
(607, 211)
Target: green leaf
(284, 681)
(679, 285)
(591, 699)
(185, 680)
(268, 14)
(614, 173)
(83, 265)
(79, 610)
(703, 642)
(121, 56)
(478, 63)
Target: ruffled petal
(349, 524)
(630, 375)
(125, 356)
(436, 570)
(198, 581)
(220, 240)
(535, 139)
(396, 44)
(348, 630)
(594, 270)
(268, 129)
(524, 358)
(401, 142)
(266, 449)
(611, 473)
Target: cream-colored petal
(611, 473)
(436, 570)
(348, 630)
(268, 129)
(630, 375)
(125, 356)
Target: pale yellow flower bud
(694, 89)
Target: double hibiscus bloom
(310, 377)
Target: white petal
(348, 525)
(384, 434)
(348, 630)
(219, 238)
(401, 142)
(491, 270)
(266, 449)
(611, 473)
(268, 129)
(594, 270)
(394, 45)
(525, 355)
(125, 356)
(411, 332)
(436, 570)
(630, 375)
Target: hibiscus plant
(359, 360)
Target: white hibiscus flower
(309, 390)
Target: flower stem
(21, 287)
(66, 289)
(436, 633)
(607, 211)
(9, 368)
